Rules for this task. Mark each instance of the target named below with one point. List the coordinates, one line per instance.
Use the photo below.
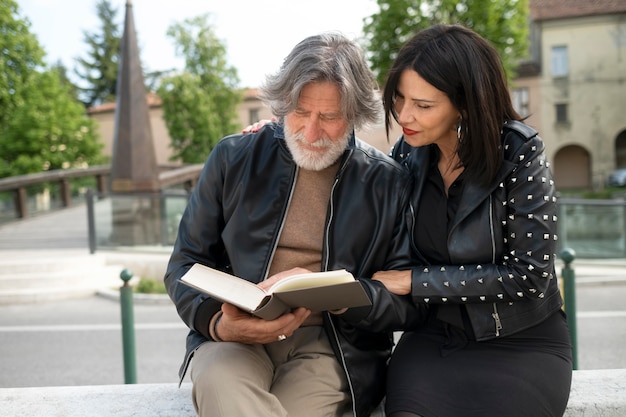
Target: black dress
(440, 370)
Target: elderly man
(299, 194)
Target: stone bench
(595, 393)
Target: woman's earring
(458, 131)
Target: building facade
(577, 97)
(251, 110)
(572, 90)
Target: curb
(138, 298)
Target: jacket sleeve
(522, 263)
(390, 312)
(199, 241)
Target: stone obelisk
(134, 181)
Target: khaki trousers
(297, 377)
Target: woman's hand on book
(238, 326)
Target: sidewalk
(63, 229)
(60, 340)
(65, 232)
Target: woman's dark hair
(468, 69)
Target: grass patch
(605, 194)
(150, 286)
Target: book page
(310, 280)
(317, 291)
(225, 287)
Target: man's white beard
(314, 160)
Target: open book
(317, 291)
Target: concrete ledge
(598, 393)
(137, 400)
(595, 393)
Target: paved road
(79, 342)
(601, 325)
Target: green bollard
(569, 293)
(128, 328)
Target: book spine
(272, 308)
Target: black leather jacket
(233, 221)
(502, 244)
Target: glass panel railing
(137, 221)
(593, 228)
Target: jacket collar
(473, 194)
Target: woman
(496, 341)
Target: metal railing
(592, 228)
(24, 195)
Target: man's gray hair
(326, 57)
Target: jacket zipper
(267, 268)
(331, 216)
(493, 233)
(325, 257)
(495, 315)
(331, 212)
(282, 223)
(325, 260)
(496, 318)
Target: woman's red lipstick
(408, 131)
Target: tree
(503, 22)
(20, 56)
(53, 132)
(65, 78)
(42, 125)
(199, 104)
(99, 68)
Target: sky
(258, 34)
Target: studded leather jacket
(233, 221)
(502, 243)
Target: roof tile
(559, 9)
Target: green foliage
(65, 79)
(605, 193)
(50, 131)
(20, 57)
(199, 104)
(150, 286)
(502, 22)
(42, 125)
(386, 31)
(99, 68)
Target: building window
(560, 66)
(561, 113)
(521, 101)
(253, 116)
